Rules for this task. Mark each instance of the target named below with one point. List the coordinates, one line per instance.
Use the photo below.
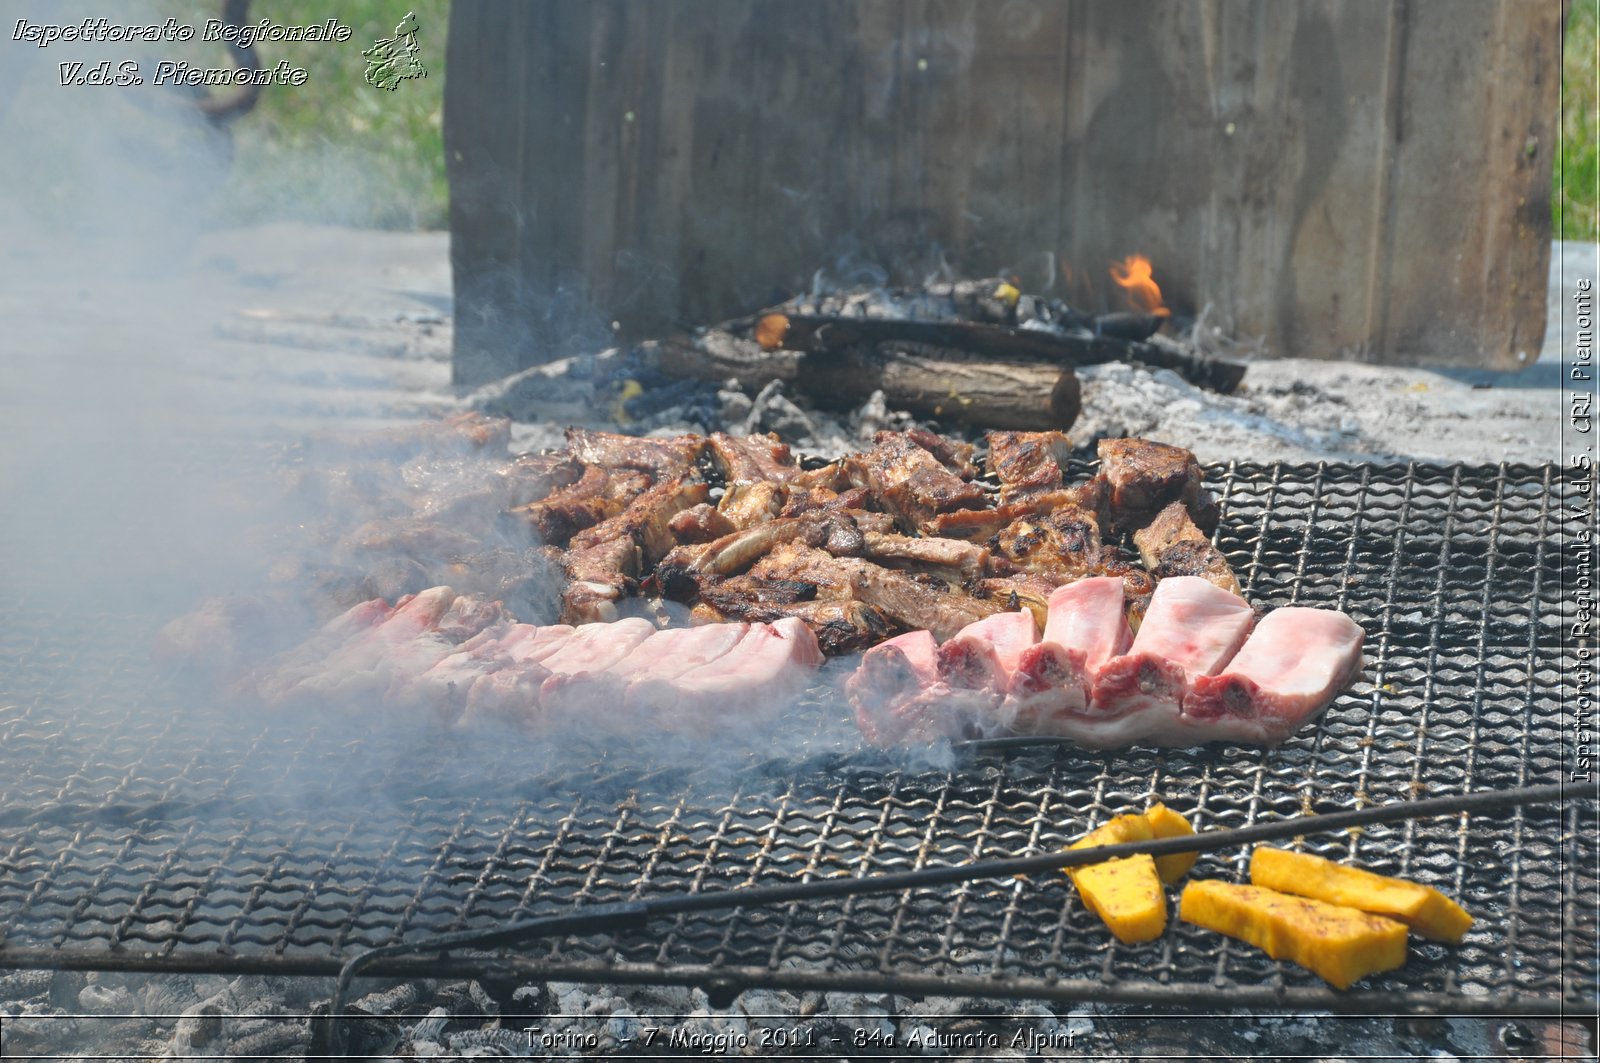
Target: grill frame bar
(1446, 508)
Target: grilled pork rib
(1172, 545)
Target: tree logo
(394, 59)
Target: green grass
(337, 149)
(1577, 215)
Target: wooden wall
(1344, 178)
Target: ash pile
(826, 371)
(71, 1015)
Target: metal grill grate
(139, 830)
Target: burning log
(928, 380)
(947, 383)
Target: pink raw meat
(1192, 628)
(1086, 626)
(1292, 666)
(758, 676)
(445, 685)
(978, 663)
(274, 680)
(592, 648)
(354, 669)
(661, 657)
(897, 693)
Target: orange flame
(1134, 275)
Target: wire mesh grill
(139, 829)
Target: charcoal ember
(662, 393)
(396, 998)
(364, 1034)
(105, 1000)
(276, 1039)
(198, 1030)
(22, 985)
(498, 1041)
(772, 411)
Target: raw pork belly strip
(897, 694)
(1192, 628)
(766, 668)
(663, 656)
(1087, 626)
(979, 661)
(1293, 665)
(511, 651)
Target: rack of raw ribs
(963, 603)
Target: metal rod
(636, 914)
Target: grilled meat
(951, 453)
(605, 561)
(700, 524)
(1027, 463)
(530, 477)
(753, 458)
(1021, 590)
(1145, 476)
(598, 495)
(1171, 545)
(959, 561)
(660, 458)
(896, 595)
(910, 482)
(840, 625)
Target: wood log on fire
(928, 380)
(946, 383)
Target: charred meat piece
(1063, 545)
(1022, 590)
(1192, 628)
(963, 561)
(752, 458)
(755, 470)
(1292, 666)
(749, 502)
(908, 602)
(910, 482)
(981, 524)
(530, 477)
(598, 495)
(952, 453)
(1144, 476)
(840, 625)
(604, 561)
(1171, 545)
(700, 524)
(661, 458)
(684, 568)
(1027, 463)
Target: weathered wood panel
(1344, 178)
